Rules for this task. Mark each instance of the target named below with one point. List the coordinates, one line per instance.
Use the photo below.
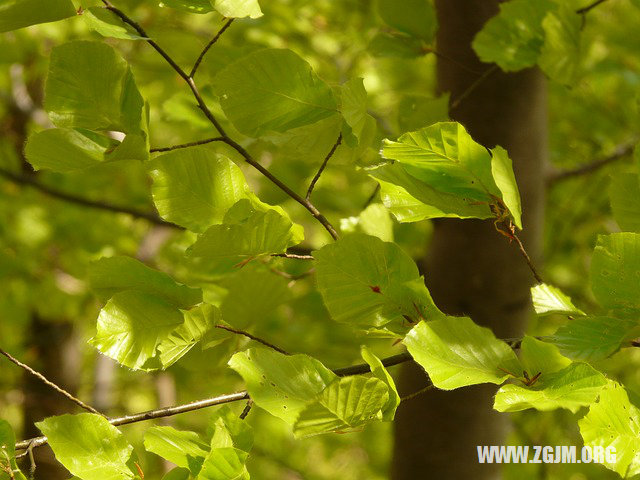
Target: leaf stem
(252, 337)
(322, 167)
(187, 145)
(208, 46)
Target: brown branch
(30, 181)
(419, 392)
(586, 9)
(49, 383)
(228, 140)
(187, 145)
(322, 167)
(294, 256)
(487, 73)
(247, 409)
(208, 46)
(527, 258)
(252, 337)
(620, 152)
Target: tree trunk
(470, 268)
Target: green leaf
(132, 325)
(378, 371)
(273, 90)
(194, 187)
(353, 106)
(90, 86)
(456, 352)
(108, 24)
(111, 275)
(373, 220)
(237, 8)
(548, 300)
(88, 446)
(363, 281)
(445, 156)
(394, 45)
(502, 171)
(224, 464)
(185, 449)
(415, 17)
(514, 38)
(198, 322)
(572, 387)
(15, 14)
(624, 193)
(280, 384)
(177, 474)
(615, 269)
(191, 6)
(411, 200)
(594, 338)
(614, 422)
(8, 453)
(347, 403)
(560, 53)
(227, 423)
(540, 357)
(247, 233)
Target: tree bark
(470, 269)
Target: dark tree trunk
(470, 268)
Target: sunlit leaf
(456, 352)
(184, 448)
(540, 357)
(353, 106)
(226, 423)
(373, 220)
(8, 453)
(16, 14)
(502, 171)
(88, 446)
(108, 24)
(237, 8)
(273, 91)
(548, 300)
(224, 464)
(378, 371)
(560, 54)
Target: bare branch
(586, 9)
(419, 392)
(49, 383)
(246, 410)
(322, 167)
(294, 256)
(619, 153)
(187, 145)
(252, 337)
(487, 73)
(208, 46)
(85, 202)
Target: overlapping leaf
(184, 448)
(548, 300)
(273, 90)
(88, 446)
(377, 369)
(455, 352)
(237, 8)
(373, 220)
(108, 24)
(16, 14)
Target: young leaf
(273, 91)
(624, 193)
(194, 187)
(17, 14)
(353, 106)
(111, 275)
(373, 220)
(416, 18)
(248, 231)
(502, 171)
(560, 53)
(280, 384)
(88, 446)
(224, 464)
(614, 422)
(347, 403)
(548, 300)
(540, 357)
(514, 38)
(8, 453)
(362, 281)
(412, 200)
(594, 338)
(132, 325)
(378, 371)
(615, 269)
(237, 8)
(572, 387)
(108, 24)
(90, 86)
(455, 352)
(227, 423)
(184, 448)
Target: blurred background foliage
(47, 245)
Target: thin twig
(85, 202)
(246, 410)
(49, 383)
(32, 463)
(252, 337)
(208, 46)
(322, 167)
(415, 394)
(186, 145)
(372, 196)
(584, 10)
(620, 152)
(228, 140)
(294, 256)
(450, 59)
(487, 73)
(365, 368)
(527, 259)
